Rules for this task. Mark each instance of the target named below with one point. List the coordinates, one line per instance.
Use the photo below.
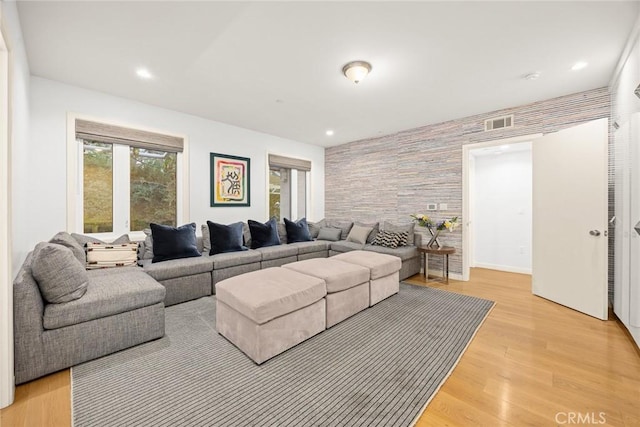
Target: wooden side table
(445, 251)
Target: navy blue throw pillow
(225, 238)
(297, 231)
(264, 234)
(173, 243)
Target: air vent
(498, 123)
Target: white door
(570, 218)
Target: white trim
(506, 268)
(74, 176)
(7, 388)
(467, 228)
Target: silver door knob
(594, 233)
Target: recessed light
(532, 76)
(329, 132)
(143, 73)
(579, 65)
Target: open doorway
(497, 205)
(501, 203)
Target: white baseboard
(506, 268)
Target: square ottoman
(385, 272)
(266, 312)
(347, 285)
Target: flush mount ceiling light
(532, 76)
(356, 70)
(329, 132)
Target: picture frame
(230, 180)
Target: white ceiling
(275, 67)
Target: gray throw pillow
(329, 233)
(398, 228)
(206, 239)
(63, 238)
(375, 227)
(148, 244)
(344, 226)
(282, 233)
(83, 239)
(246, 233)
(61, 278)
(359, 234)
(314, 227)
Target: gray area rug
(379, 368)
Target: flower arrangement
(447, 224)
(422, 220)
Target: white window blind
(111, 134)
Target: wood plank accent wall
(393, 176)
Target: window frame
(75, 213)
(292, 182)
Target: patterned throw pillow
(386, 239)
(403, 238)
(107, 255)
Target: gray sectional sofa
(124, 306)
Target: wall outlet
(432, 206)
(443, 206)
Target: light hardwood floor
(532, 363)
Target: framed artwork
(230, 178)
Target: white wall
(44, 193)
(19, 128)
(502, 209)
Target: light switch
(432, 207)
(443, 206)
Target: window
(127, 179)
(288, 182)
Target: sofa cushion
(263, 235)
(338, 275)
(281, 291)
(177, 267)
(311, 247)
(330, 234)
(344, 226)
(359, 234)
(375, 228)
(344, 246)
(59, 274)
(314, 227)
(403, 252)
(297, 231)
(106, 295)
(225, 238)
(276, 252)
(398, 228)
(233, 259)
(282, 233)
(63, 238)
(174, 243)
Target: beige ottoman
(347, 285)
(266, 312)
(385, 276)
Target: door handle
(595, 233)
